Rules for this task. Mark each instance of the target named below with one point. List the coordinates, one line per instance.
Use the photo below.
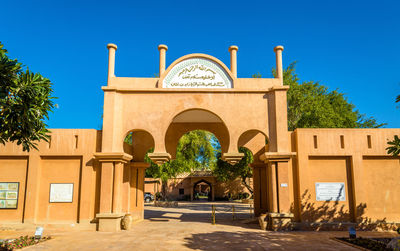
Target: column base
(280, 221)
(109, 222)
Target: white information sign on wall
(330, 191)
(61, 192)
(197, 73)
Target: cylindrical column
(163, 49)
(111, 60)
(233, 50)
(279, 68)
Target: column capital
(277, 156)
(232, 158)
(112, 157)
(159, 158)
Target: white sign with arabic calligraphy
(197, 73)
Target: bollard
(213, 214)
(233, 212)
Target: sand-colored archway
(195, 119)
(254, 140)
(136, 143)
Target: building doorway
(203, 191)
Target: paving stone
(189, 228)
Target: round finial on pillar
(278, 48)
(233, 50)
(111, 46)
(233, 47)
(162, 46)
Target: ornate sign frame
(9, 195)
(197, 72)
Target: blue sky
(353, 46)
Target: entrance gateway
(196, 92)
(310, 177)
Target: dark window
(181, 191)
(315, 142)
(369, 141)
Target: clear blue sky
(353, 46)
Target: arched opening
(203, 191)
(195, 119)
(137, 143)
(256, 142)
(195, 158)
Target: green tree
(394, 145)
(25, 101)
(225, 172)
(196, 150)
(311, 105)
(165, 171)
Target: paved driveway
(189, 228)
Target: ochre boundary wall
(66, 158)
(356, 157)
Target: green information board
(9, 195)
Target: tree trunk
(164, 190)
(247, 186)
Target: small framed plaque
(9, 195)
(330, 191)
(61, 192)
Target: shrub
(21, 242)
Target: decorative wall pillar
(279, 189)
(279, 66)
(32, 188)
(233, 50)
(163, 49)
(106, 187)
(117, 186)
(261, 188)
(136, 207)
(112, 166)
(111, 61)
(273, 196)
(277, 110)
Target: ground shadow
(247, 240)
(201, 212)
(336, 215)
